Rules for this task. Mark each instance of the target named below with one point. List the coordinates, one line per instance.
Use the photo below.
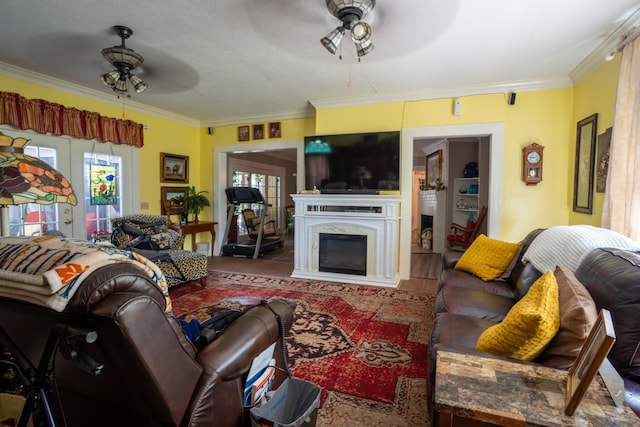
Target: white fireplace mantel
(377, 217)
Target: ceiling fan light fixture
(350, 13)
(110, 78)
(124, 60)
(360, 32)
(120, 86)
(122, 55)
(138, 84)
(363, 49)
(332, 40)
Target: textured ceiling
(233, 61)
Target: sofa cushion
(487, 258)
(473, 303)
(458, 331)
(577, 316)
(612, 277)
(530, 324)
(463, 279)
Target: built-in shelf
(466, 199)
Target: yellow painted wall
(594, 94)
(547, 117)
(162, 135)
(291, 130)
(543, 116)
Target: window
(100, 210)
(33, 219)
(269, 186)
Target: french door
(95, 171)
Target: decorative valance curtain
(47, 117)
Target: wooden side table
(482, 391)
(194, 228)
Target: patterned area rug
(365, 346)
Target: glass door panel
(33, 219)
(102, 190)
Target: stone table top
(515, 394)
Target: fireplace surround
(352, 220)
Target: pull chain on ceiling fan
(350, 12)
(125, 60)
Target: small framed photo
(173, 199)
(258, 131)
(594, 350)
(434, 169)
(174, 168)
(274, 130)
(243, 133)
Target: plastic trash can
(294, 404)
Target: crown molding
(444, 92)
(77, 90)
(303, 113)
(607, 47)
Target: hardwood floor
(279, 263)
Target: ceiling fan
(125, 60)
(350, 12)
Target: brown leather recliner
(152, 374)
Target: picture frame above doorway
(243, 133)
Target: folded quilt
(47, 270)
(567, 245)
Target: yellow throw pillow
(530, 324)
(487, 258)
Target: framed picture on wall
(174, 168)
(172, 199)
(585, 162)
(258, 131)
(274, 130)
(434, 169)
(602, 168)
(243, 133)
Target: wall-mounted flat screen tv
(353, 163)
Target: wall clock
(532, 164)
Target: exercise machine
(236, 196)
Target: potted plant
(195, 201)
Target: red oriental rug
(365, 346)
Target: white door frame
(220, 175)
(495, 132)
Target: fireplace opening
(426, 221)
(343, 253)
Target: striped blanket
(47, 270)
(568, 245)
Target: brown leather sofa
(152, 375)
(466, 306)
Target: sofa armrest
(450, 259)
